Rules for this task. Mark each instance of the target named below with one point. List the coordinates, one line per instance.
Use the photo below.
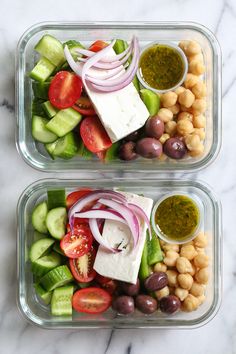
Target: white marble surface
(17, 336)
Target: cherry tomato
(82, 267)
(65, 89)
(73, 197)
(91, 300)
(97, 46)
(94, 135)
(84, 106)
(78, 243)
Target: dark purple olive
(154, 127)
(130, 289)
(146, 304)
(123, 304)
(132, 137)
(170, 304)
(174, 148)
(156, 281)
(149, 148)
(127, 151)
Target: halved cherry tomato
(73, 197)
(97, 46)
(65, 89)
(93, 134)
(82, 267)
(91, 300)
(78, 243)
(84, 106)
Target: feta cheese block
(124, 265)
(121, 112)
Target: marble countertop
(16, 335)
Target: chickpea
(185, 115)
(200, 250)
(179, 90)
(199, 90)
(162, 293)
(170, 246)
(201, 261)
(202, 276)
(170, 258)
(193, 271)
(170, 127)
(163, 157)
(199, 121)
(200, 132)
(197, 289)
(190, 303)
(188, 243)
(160, 267)
(169, 99)
(183, 265)
(200, 240)
(199, 106)
(201, 299)
(198, 56)
(186, 98)
(175, 108)
(192, 48)
(172, 278)
(181, 293)
(184, 45)
(192, 141)
(197, 152)
(196, 67)
(190, 80)
(185, 109)
(165, 115)
(188, 251)
(164, 137)
(184, 127)
(185, 281)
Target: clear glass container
(39, 314)
(36, 156)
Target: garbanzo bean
(185, 115)
(190, 80)
(196, 67)
(202, 276)
(170, 246)
(199, 90)
(184, 127)
(168, 99)
(162, 293)
(193, 48)
(188, 251)
(197, 289)
(201, 299)
(170, 127)
(160, 267)
(185, 281)
(199, 106)
(198, 56)
(192, 141)
(200, 132)
(200, 240)
(175, 108)
(172, 278)
(179, 90)
(199, 121)
(197, 152)
(165, 115)
(183, 265)
(170, 258)
(181, 293)
(164, 137)
(201, 261)
(186, 98)
(190, 303)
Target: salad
(111, 101)
(96, 250)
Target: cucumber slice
(56, 222)
(154, 250)
(61, 304)
(72, 46)
(136, 83)
(37, 108)
(39, 217)
(64, 121)
(46, 263)
(40, 132)
(151, 100)
(84, 152)
(144, 270)
(56, 277)
(112, 152)
(39, 248)
(40, 89)
(42, 70)
(50, 147)
(56, 247)
(52, 49)
(119, 46)
(38, 236)
(44, 295)
(66, 147)
(49, 109)
(56, 198)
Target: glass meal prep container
(35, 154)
(37, 313)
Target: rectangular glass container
(36, 156)
(39, 314)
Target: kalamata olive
(169, 304)
(146, 304)
(130, 289)
(156, 281)
(154, 127)
(149, 148)
(123, 304)
(174, 148)
(132, 137)
(127, 151)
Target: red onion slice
(100, 214)
(74, 66)
(98, 237)
(139, 211)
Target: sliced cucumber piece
(151, 100)
(40, 131)
(119, 46)
(38, 236)
(49, 109)
(56, 198)
(72, 46)
(39, 248)
(56, 222)
(154, 250)
(57, 277)
(56, 247)
(84, 152)
(50, 147)
(64, 121)
(61, 304)
(44, 295)
(40, 89)
(136, 83)
(112, 152)
(52, 49)
(144, 270)
(37, 108)
(39, 217)
(66, 146)
(42, 70)
(46, 263)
